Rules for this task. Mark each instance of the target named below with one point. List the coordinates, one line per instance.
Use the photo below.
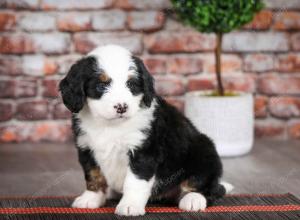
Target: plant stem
(218, 64)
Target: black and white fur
(142, 147)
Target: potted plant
(226, 116)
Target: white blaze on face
(117, 63)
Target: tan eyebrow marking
(103, 77)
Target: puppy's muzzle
(121, 108)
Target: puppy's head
(110, 81)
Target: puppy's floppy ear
(72, 86)
(148, 82)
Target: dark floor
(52, 169)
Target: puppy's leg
(136, 193)
(94, 195)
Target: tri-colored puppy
(131, 142)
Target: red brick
(258, 62)
(288, 63)
(155, 65)
(8, 88)
(6, 111)
(241, 83)
(261, 21)
(284, 107)
(37, 22)
(260, 106)
(184, 65)
(74, 22)
(143, 4)
(22, 4)
(36, 132)
(109, 20)
(27, 43)
(75, 4)
(32, 110)
(295, 40)
(269, 129)
(256, 41)
(273, 84)
(85, 42)
(16, 44)
(203, 83)
(7, 21)
(173, 42)
(50, 88)
(176, 102)
(38, 65)
(286, 20)
(18, 88)
(166, 86)
(146, 20)
(229, 63)
(294, 129)
(61, 112)
(10, 65)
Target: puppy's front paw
(128, 209)
(193, 202)
(89, 199)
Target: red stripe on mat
(72, 197)
(248, 208)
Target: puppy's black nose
(121, 108)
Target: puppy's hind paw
(89, 199)
(193, 201)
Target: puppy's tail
(227, 186)
(219, 191)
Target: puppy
(131, 142)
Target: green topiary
(217, 16)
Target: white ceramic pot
(228, 121)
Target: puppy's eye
(134, 85)
(100, 87)
(94, 88)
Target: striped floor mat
(241, 207)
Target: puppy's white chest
(110, 146)
(114, 162)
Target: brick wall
(41, 38)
